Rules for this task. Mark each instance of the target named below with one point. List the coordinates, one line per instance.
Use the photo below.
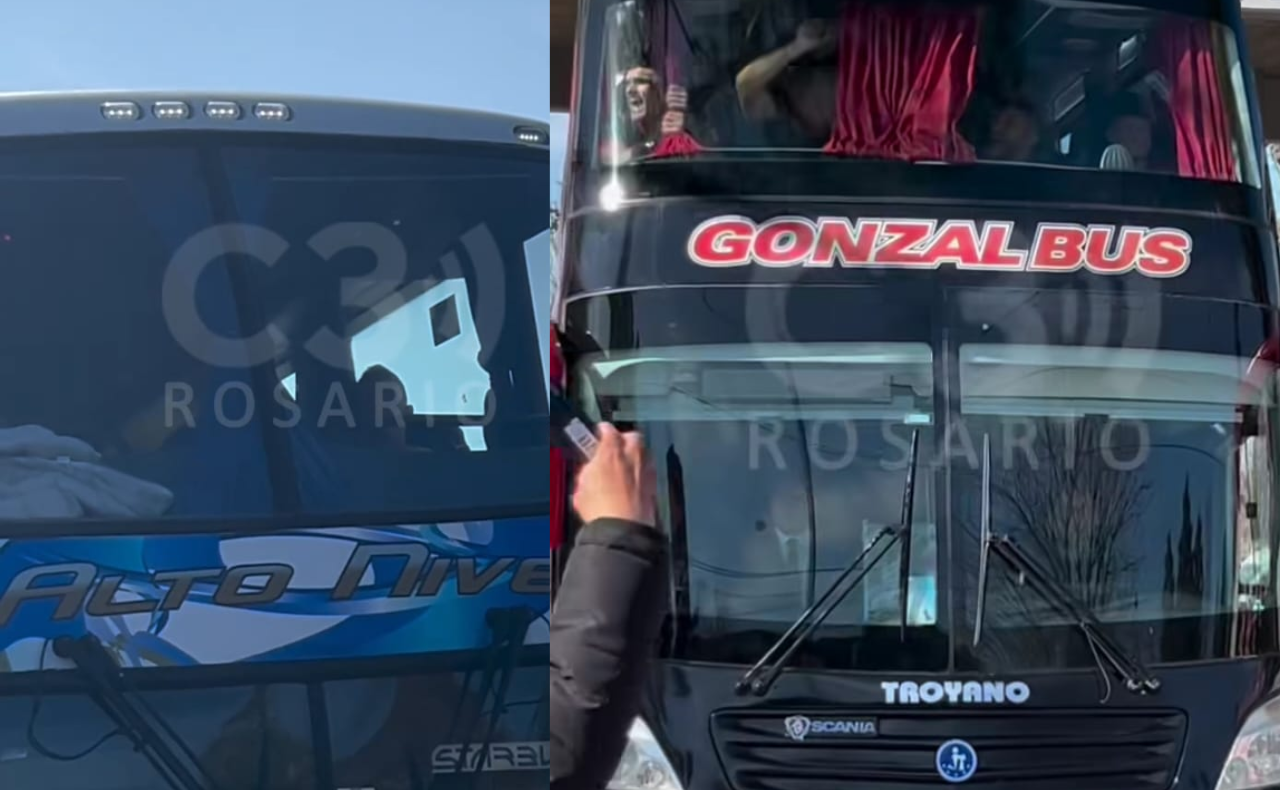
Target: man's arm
(607, 613)
(758, 78)
(603, 631)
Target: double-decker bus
(951, 328)
(272, 445)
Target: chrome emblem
(797, 727)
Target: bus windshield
(243, 327)
(1140, 477)
(1025, 82)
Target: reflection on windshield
(443, 730)
(1138, 478)
(1089, 85)
(396, 317)
(814, 444)
(1141, 480)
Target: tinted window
(299, 326)
(442, 732)
(1141, 478)
(780, 462)
(1088, 85)
(242, 737)
(93, 366)
(815, 440)
(1132, 457)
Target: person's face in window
(641, 87)
(1014, 134)
(1133, 132)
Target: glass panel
(441, 731)
(1141, 479)
(1123, 467)
(406, 732)
(403, 318)
(780, 463)
(243, 737)
(1016, 79)
(115, 404)
(351, 332)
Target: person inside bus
(653, 112)
(782, 559)
(795, 82)
(644, 100)
(1128, 135)
(1013, 133)
(383, 407)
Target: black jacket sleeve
(604, 625)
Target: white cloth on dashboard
(33, 441)
(44, 475)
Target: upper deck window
(998, 81)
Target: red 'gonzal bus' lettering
(785, 242)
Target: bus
(952, 331)
(272, 445)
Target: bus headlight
(1254, 760)
(643, 765)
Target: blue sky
(478, 54)
(481, 54)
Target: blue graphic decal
(956, 761)
(348, 592)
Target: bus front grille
(889, 749)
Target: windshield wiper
(761, 677)
(904, 548)
(107, 691)
(1106, 651)
(508, 626)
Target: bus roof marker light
(272, 111)
(171, 110)
(222, 110)
(533, 135)
(121, 111)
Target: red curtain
(669, 54)
(1184, 49)
(906, 76)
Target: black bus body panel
(646, 245)
(1059, 739)
(620, 266)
